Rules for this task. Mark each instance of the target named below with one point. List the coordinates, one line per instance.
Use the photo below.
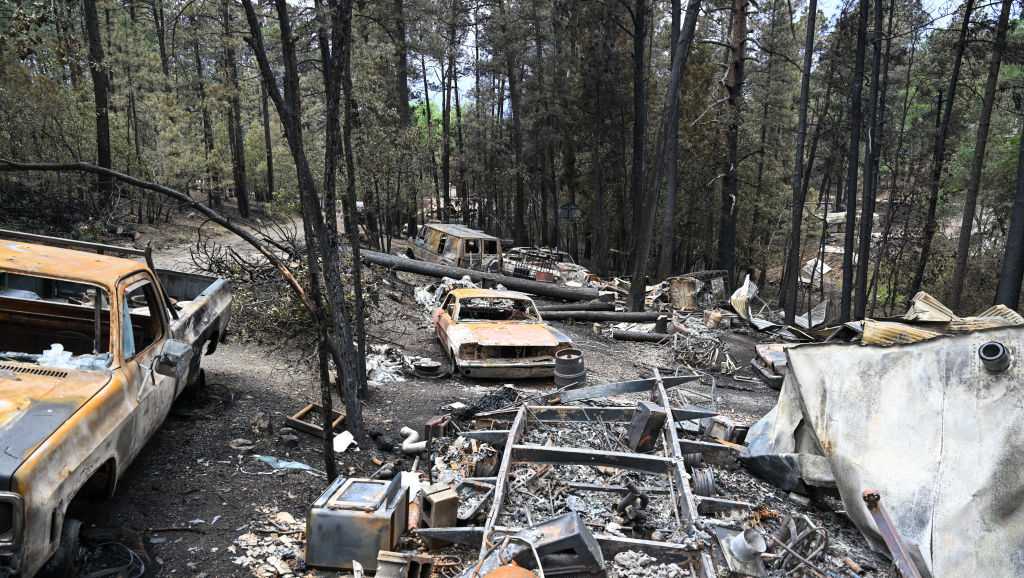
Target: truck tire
(64, 563)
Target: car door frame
(153, 393)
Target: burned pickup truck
(93, 351)
(497, 334)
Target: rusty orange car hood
(32, 407)
(506, 334)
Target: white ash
(632, 564)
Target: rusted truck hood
(33, 407)
(505, 334)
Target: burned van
(456, 245)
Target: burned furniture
(354, 519)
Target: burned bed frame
(689, 507)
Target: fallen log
(514, 283)
(640, 336)
(631, 316)
(587, 306)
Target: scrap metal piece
(588, 457)
(561, 545)
(648, 421)
(353, 520)
(609, 389)
(631, 505)
(403, 565)
(703, 481)
(747, 565)
(610, 545)
(897, 548)
(440, 506)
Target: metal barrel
(569, 368)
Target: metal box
(354, 519)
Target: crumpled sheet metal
(927, 426)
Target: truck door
(143, 332)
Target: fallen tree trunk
(640, 336)
(588, 306)
(514, 283)
(631, 316)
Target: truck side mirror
(174, 359)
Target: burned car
(497, 334)
(542, 264)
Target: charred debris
(650, 477)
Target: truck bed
(203, 304)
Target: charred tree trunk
(978, 162)
(1012, 273)
(791, 275)
(734, 99)
(939, 157)
(334, 326)
(213, 196)
(101, 98)
(401, 65)
(666, 254)
(430, 137)
(853, 159)
(268, 144)
(639, 143)
(520, 232)
(871, 167)
(681, 53)
(235, 136)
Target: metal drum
(569, 368)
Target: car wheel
(454, 364)
(64, 563)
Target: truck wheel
(64, 563)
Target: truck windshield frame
(487, 309)
(53, 310)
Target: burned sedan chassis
(520, 346)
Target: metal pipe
(994, 356)
(748, 545)
(411, 443)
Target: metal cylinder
(661, 324)
(703, 481)
(693, 459)
(994, 356)
(748, 545)
(640, 336)
(569, 368)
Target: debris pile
(272, 546)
